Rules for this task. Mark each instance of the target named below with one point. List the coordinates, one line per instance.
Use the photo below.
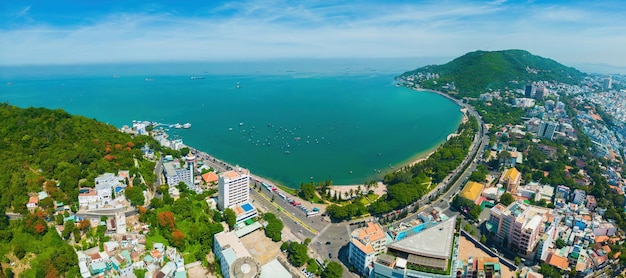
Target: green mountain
(477, 71)
(53, 151)
(39, 145)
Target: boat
(287, 152)
(197, 77)
(149, 79)
(230, 129)
(177, 125)
(240, 124)
(238, 85)
(187, 125)
(350, 172)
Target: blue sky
(69, 32)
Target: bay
(289, 124)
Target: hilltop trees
(60, 151)
(135, 195)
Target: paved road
(294, 223)
(13, 216)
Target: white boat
(240, 124)
(178, 126)
(187, 125)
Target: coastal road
(291, 222)
(479, 144)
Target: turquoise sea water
(287, 125)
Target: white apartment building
(365, 244)
(233, 188)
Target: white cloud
(262, 29)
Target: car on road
(330, 255)
(328, 243)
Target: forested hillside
(39, 145)
(478, 71)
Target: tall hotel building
(519, 226)
(233, 188)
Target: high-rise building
(233, 188)
(608, 83)
(519, 226)
(191, 163)
(540, 93)
(529, 90)
(365, 244)
(547, 129)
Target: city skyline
(67, 32)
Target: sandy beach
(379, 189)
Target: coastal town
(538, 193)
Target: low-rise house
(557, 261)
(33, 201)
(87, 196)
(472, 191)
(111, 246)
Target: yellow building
(472, 191)
(512, 178)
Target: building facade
(233, 188)
(519, 226)
(547, 129)
(235, 260)
(365, 244)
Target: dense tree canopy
(39, 145)
(333, 270)
(298, 254)
(506, 199)
(411, 183)
(274, 227)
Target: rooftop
(230, 241)
(362, 237)
(557, 261)
(472, 190)
(274, 269)
(209, 177)
(433, 242)
(511, 174)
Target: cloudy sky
(73, 31)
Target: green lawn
(156, 237)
